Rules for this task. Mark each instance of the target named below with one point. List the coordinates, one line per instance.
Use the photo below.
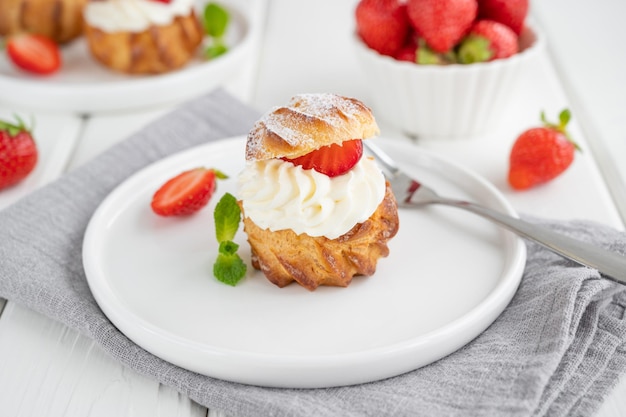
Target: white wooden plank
(590, 64)
(105, 130)
(51, 370)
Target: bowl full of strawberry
(444, 68)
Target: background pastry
(142, 36)
(60, 20)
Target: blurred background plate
(82, 85)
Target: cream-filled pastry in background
(142, 36)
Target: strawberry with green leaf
(18, 153)
(541, 154)
(488, 40)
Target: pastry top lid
(308, 122)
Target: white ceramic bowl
(451, 101)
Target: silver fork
(411, 193)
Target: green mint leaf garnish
(216, 20)
(227, 216)
(229, 268)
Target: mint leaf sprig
(215, 20)
(228, 268)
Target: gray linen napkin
(557, 349)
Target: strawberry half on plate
(186, 193)
(36, 54)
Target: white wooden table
(48, 369)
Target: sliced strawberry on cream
(332, 160)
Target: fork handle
(612, 265)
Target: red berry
(509, 12)
(382, 24)
(488, 40)
(442, 23)
(184, 194)
(34, 53)
(540, 154)
(18, 153)
(408, 52)
(332, 160)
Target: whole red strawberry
(408, 51)
(442, 23)
(18, 153)
(382, 24)
(488, 40)
(541, 154)
(509, 12)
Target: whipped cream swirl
(134, 15)
(279, 195)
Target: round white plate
(82, 85)
(448, 276)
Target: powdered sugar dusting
(293, 123)
(325, 105)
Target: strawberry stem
(473, 49)
(564, 118)
(12, 128)
(426, 56)
(219, 174)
